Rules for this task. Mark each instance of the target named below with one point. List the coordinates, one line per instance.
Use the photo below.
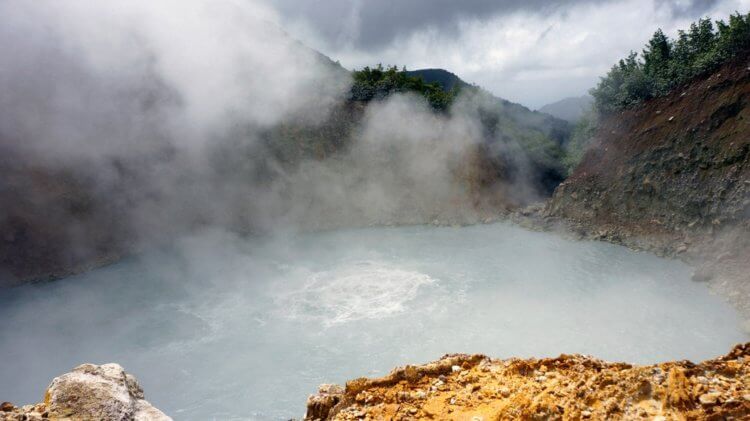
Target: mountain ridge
(445, 78)
(570, 109)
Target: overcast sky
(528, 51)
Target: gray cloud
(689, 8)
(533, 52)
(376, 23)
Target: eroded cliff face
(569, 387)
(673, 176)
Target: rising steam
(130, 122)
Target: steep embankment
(673, 176)
(570, 387)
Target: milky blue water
(220, 327)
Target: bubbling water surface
(222, 327)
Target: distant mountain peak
(447, 80)
(570, 109)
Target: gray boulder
(102, 392)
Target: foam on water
(362, 290)
(221, 327)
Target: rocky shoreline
(88, 392)
(570, 387)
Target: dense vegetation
(666, 63)
(379, 82)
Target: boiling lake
(223, 327)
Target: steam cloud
(129, 122)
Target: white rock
(331, 389)
(709, 398)
(103, 392)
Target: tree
(656, 61)
(701, 36)
(667, 64)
